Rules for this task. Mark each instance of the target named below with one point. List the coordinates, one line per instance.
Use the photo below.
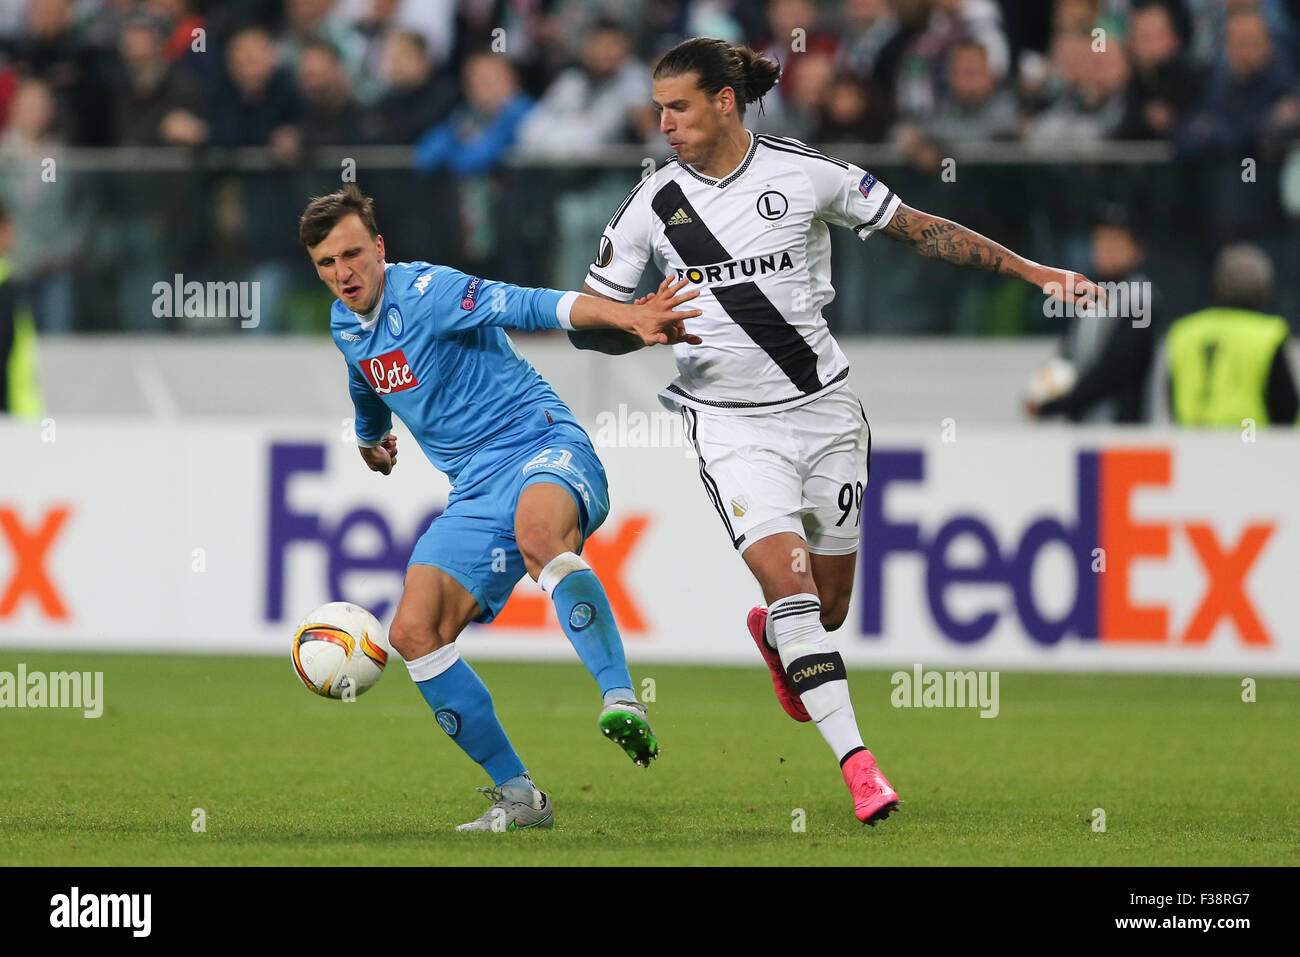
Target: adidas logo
(679, 218)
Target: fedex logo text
(29, 547)
(389, 372)
(1103, 607)
(286, 527)
(349, 546)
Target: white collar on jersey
(744, 165)
(369, 319)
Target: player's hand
(657, 321)
(383, 456)
(1072, 287)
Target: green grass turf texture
(1186, 772)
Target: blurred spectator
(873, 40)
(470, 144)
(9, 78)
(1077, 27)
(75, 71)
(154, 105)
(596, 104)
(1164, 83)
(18, 392)
(974, 109)
(724, 19)
(921, 68)
(257, 104)
(852, 111)
(183, 23)
(1252, 99)
(796, 40)
(1093, 105)
(375, 26)
(377, 20)
(1209, 40)
(330, 115)
(317, 21)
(191, 43)
(805, 96)
(1224, 365)
(524, 32)
(416, 99)
(1075, 16)
(44, 207)
(1111, 351)
(478, 135)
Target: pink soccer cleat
(873, 798)
(785, 693)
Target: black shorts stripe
(868, 424)
(611, 285)
(710, 486)
(811, 154)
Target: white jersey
(756, 244)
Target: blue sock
(463, 708)
(587, 619)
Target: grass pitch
(1186, 773)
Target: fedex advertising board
(1035, 548)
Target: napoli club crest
(448, 720)
(394, 321)
(581, 615)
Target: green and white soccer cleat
(625, 723)
(508, 815)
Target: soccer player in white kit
(783, 442)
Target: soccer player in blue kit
(428, 343)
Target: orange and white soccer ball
(339, 650)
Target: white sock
(816, 669)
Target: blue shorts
(473, 540)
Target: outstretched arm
(599, 336)
(937, 238)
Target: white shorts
(802, 470)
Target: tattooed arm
(946, 241)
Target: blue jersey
(438, 356)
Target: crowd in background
(1211, 76)
(467, 83)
